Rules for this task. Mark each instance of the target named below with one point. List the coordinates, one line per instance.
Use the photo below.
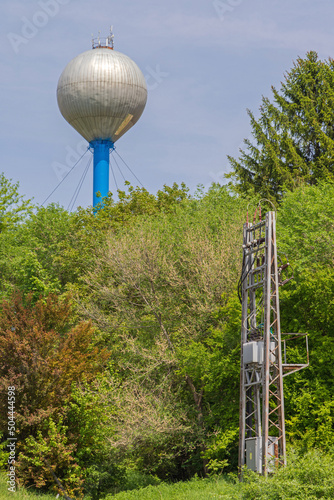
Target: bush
(306, 477)
(50, 456)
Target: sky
(205, 62)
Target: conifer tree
(294, 135)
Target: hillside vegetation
(120, 328)
(120, 332)
(304, 478)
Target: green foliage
(87, 417)
(306, 233)
(164, 309)
(131, 204)
(311, 422)
(21, 493)
(13, 207)
(222, 376)
(136, 480)
(305, 226)
(217, 451)
(293, 138)
(45, 254)
(4, 454)
(50, 454)
(37, 347)
(195, 489)
(306, 477)
(51, 249)
(157, 276)
(43, 355)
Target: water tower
(102, 94)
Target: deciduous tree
(158, 294)
(13, 207)
(44, 355)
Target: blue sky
(205, 62)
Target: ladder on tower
(262, 443)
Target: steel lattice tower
(262, 444)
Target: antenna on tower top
(107, 44)
(110, 39)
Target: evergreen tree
(293, 138)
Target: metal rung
(257, 269)
(293, 368)
(257, 249)
(262, 223)
(255, 285)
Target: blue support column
(101, 169)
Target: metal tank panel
(102, 94)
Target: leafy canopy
(306, 234)
(162, 293)
(13, 207)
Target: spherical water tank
(102, 94)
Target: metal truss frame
(261, 376)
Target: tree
(52, 249)
(305, 228)
(44, 355)
(131, 203)
(159, 293)
(13, 207)
(38, 343)
(294, 136)
(40, 256)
